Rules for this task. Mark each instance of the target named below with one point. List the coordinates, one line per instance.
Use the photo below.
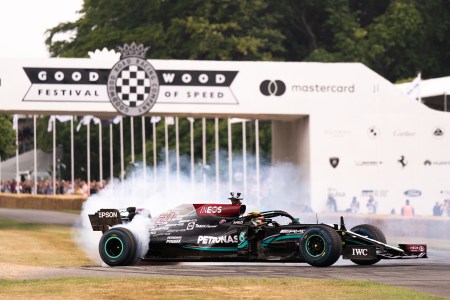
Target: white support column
(17, 156)
(54, 157)
(244, 156)
(166, 136)
(111, 154)
(144, 150)
(72, 156)
(100, 150)
(122, 171)
(177, 149)
(191, 125)
(132, 139)
(34, 154)
(88, 128)
(230, 157)
(258, 192)
(204, 151)
(155, 162)
(216, 138)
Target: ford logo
(413, 193)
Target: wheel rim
(113, 247)
(315, 245)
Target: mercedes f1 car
(223, 232)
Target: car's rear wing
(105, 218)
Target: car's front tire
(320, 246)
(117, 247)
(371, 232)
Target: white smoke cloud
(280, 188)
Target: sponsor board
(337, 133)
(173, 240)
(381, 193)
(108, 214)
(367, 163)
(359, 252)
(373, 132)
(224, 239)
(413, 193)
(132, 85)
(403, 133)
(334, 161)
(297, 231)
(429, 162)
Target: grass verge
(202, 288)
(39, 245)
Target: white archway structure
(349, 130)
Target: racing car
(223, 232)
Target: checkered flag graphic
(133, 86)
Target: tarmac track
(431, 275)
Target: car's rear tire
(320, 246)
(117, 247)
(372, 232)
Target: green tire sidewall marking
(106, 243)
(307, 241)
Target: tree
(396, 38)
(8, 137)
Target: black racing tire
(372, 232)
(320, 246)
(117, 247)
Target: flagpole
(72, 156)
(204, 151)
(122, 175)
(54, 156)
(192, 152)
(144, 154)
(216, 129)
(100, 150)
(258, 194)
(35, 155)
(230, 158)
(111, 155)
(154, 153)
(177, 149)
(88, 128)
(244, 155)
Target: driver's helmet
(257, 219)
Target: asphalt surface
(431, 276)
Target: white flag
(155, 119)
(169, 120)
(413, 89)
(96, 121)
(116, 120)
(15, 122)
(84, 121)
(63, 119)
(50, 123)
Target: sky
(23, 24)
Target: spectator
(371, 205)
(438, 209)
(407, 209)
(354, 206)
(331, 203)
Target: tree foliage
(396, 38)
(7, 137)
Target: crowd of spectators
(442, 209)
(45, 187)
